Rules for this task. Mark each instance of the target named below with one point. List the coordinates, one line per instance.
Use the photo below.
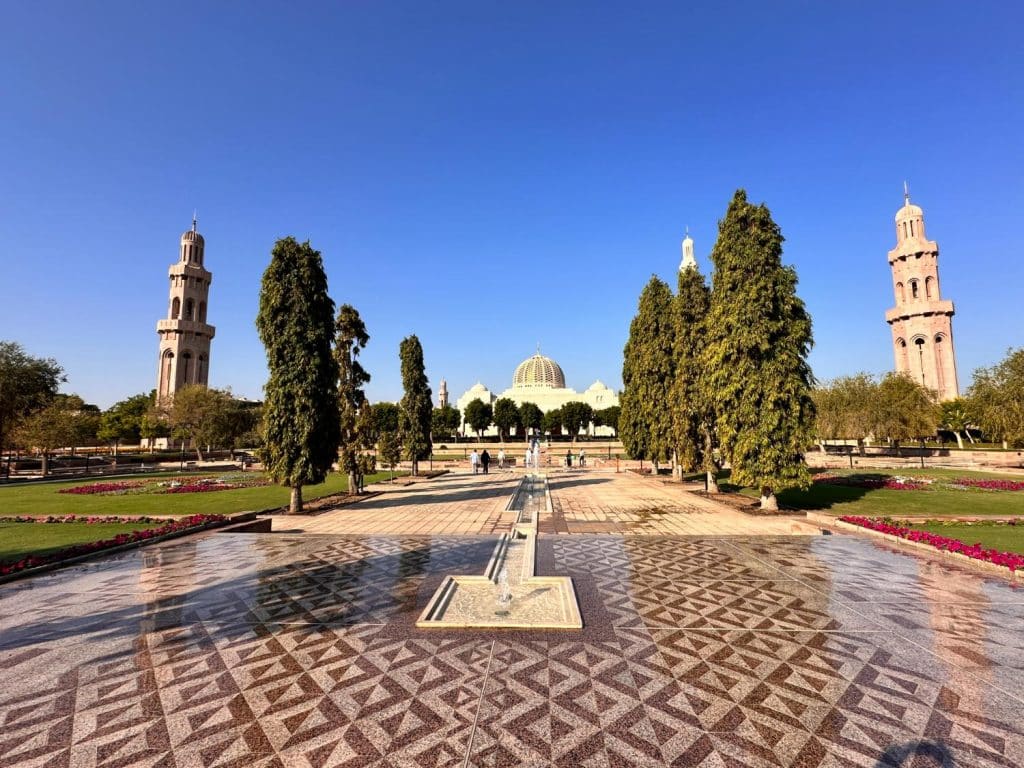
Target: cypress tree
(350, 339)
(296, 325)
(691, 415)
(415, 410)
(758, 336)
(647, 376)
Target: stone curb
(244, 517)
(934, 552)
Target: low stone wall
(911, 457)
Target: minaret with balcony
(185, 335)
(921, 321)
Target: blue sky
(494, 175)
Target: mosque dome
(537, 372)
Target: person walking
(583, 458)
(474, 460)
(485, 460)
(568, 457)
(501, 458)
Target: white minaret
(185, 335)
(688, 261)
(442, 395)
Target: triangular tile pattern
(286, 652)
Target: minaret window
(913, 290)
(190, 307)
(186, 364)
(900, 294)
(175, 308)
(202, 311)
(928, 287)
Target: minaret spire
(195, 219)
(906, 193)
(688, 262)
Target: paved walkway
(583, 501)
(457, 503)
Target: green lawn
(1005, 538)
(883, 502)
(45, 500)
(20, 539)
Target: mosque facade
(540, 380)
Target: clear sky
(491, 176)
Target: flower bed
(988, 485)
(132, 537)
(871, 483)
(1009, 560)
(227, 482)
(105, 488)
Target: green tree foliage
(692, 417)
(506, 416)
(389, 449)
(552, 422)
(997, 399)
(26, 384)
(645, 425)
(576, 416)
(416, 409)
(846, 408)
(955, 415)
(202, 416)
(758, 337)
(122, 422)
(446, 422)
(55, 425)
(904, 410)
(385, 418)
(479, 416)
(531, 416)
(608, 417)
(296, 325)
(349, 340)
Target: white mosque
(539, 380)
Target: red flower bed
(199, 488)
(1011, 560)
(889, 483)
(88, 490)
(989, 485)
(33, 561)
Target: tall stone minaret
(921, 321)
(185, 335)
(442, 395)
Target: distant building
(539, 380)
(921, 321)
(185, 335)
(442, 395)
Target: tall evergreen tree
(755, 358)
(647, 375)
(692, 416)
(26, 384)
(349, 340)
(296, 325)
(416, 409)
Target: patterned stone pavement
(588, 501)
(289, 650)
(451, 504)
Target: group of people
(482, 461)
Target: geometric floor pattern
(251, 650)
